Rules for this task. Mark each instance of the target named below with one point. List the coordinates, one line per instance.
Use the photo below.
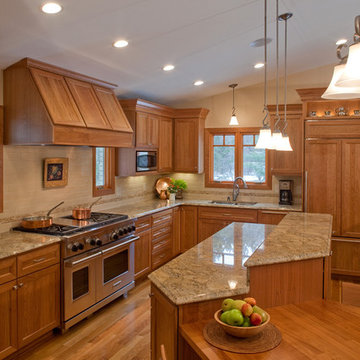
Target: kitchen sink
(233, 203)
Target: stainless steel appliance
(285, 187)
(146, 161)
(97, 260)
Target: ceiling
(204, 39)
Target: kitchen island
(274, 264)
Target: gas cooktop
(67, 225)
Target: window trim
(109, 187)
(238, 132)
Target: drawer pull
(226, 214)
(142, 226)
(117, 283)
(161, 256)
(168, 217)
(39, 260)
(159, 244)
(160, 232)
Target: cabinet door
(208, 227)
(188, 227)
(8, 319)
(323, 179)
(350, 202)
(147, 128)
(176, 231)
(112, 108)
(290, 162)
(345, 257)
(165, 145)
(57, 98)
(143, 254)
(186, 149)
(38, 304)
(88, 104)
(270, 217)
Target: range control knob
(91, 242)
(114, 236)
(129, 229)
(73, 247)
(125, 230)
(121, 232)
(98, 242)
(80, 246)
(133, 228)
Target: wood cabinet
(8, 316)
(289, 162)
(208, 227)
(142, 257)
(165, 152)
(345, 257)
(176, 231)
(60, 107)
(38, 300)
(147, 130)
(30, 302)
(323, 179)
(189, 233)
(270, 217)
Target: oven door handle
(133, 238)
(76, 262)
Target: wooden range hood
(45, 104)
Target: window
(231, 153)
(103, 171)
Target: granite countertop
(217, 267)
(214, 268)
(16, 242)
(151, 206)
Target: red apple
(250, 301)
(247, 309)
(255, 319)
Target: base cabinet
(208, 227)
(142, 256)
(188, 227)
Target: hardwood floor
(120, 331)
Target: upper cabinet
(147, 130)
(45, 104)
(189, 140)
(289, 162)
(165, 156)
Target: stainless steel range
(97, 258)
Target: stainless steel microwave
(146, 161)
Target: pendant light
(339, 92)
(233, 120)
(265, 139)
(284, 144)
(277, 135)
(351, 74)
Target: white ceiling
(204, 39)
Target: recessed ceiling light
(341, 42)
(258, 65)
(168, 67)
(51, 8)
(120, 43)
(198, 82)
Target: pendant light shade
(284, 144)
(351, 74)
(233, 120)
(339, 92)
(265, 140)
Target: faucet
(236, 188)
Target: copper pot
(35, 222)
(81, 213)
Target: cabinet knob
(151, 294)
(15, 287)
(21, 285)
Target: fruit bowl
(241, 332)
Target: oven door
(117, 267)
(79, 283)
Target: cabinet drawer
(38, 259)
(161, 257)
(160, 243)
(143, 224)
(270, 217)
(7, 269)
(162, 218)
(241, 215)
(161, 231)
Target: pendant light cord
(266, 111)
(233, 109)
(277, 66)
(285, 83)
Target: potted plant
(176, 187)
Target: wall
(23, 165)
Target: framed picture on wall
(55, 172)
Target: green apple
(246, 322)
(261, 312)
(227, 304)
(238, 304)
(235, 317)
(224, 317)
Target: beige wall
(23, 165)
